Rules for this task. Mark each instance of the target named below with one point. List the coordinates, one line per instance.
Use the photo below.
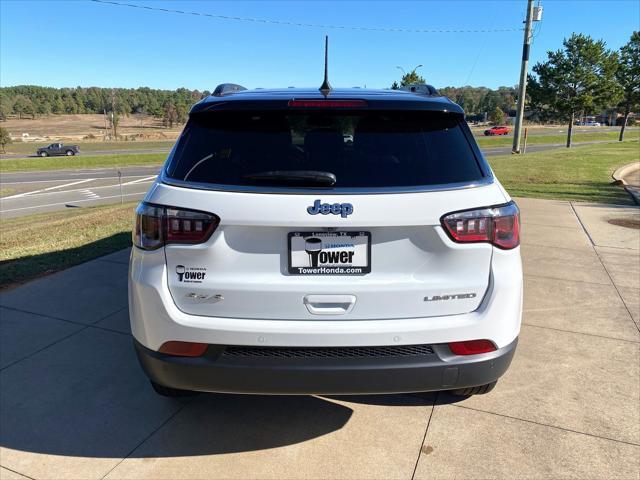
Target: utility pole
(113, 114)
(522, 86)
(120, 182)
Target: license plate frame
(329, 269)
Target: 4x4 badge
(342, 209)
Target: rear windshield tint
(362, 150)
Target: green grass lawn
(31, 147)
(533, 139)
(36, 245)
(580, 173)
(79, 162)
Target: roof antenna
(325, 88)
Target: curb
(618, 179)
(623, 171)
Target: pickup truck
(58, 149)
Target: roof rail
(421, 88)
(226, 88)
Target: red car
(497, 130)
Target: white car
(271, 256)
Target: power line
(307, 25)
(475, 62)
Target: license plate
(329, 253)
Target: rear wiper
(294, 176)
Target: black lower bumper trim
(435, 369)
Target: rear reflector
(184, 349)
(327, 103)
(471, 347)
(157, 226)
(498, 225)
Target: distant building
(610, 117)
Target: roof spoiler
(227, 88)
(422, 89)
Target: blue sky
(71, 43)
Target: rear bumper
(277, 371)
(155, 318)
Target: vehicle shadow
(28, 267)
(86, 396)
(221, 423)
(401, 399)
(74, 387)
(82, 409)
(111, 425)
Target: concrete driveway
(75, 404)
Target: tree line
(27, 101)
(479, 103)
(581, 78)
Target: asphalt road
(530, 148)
(37, 192)
(72, 175)
(122, 151)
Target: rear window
(361, 150)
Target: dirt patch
(625, 222)
(86, 126)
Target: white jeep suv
(351, 242)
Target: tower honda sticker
(190, 274)
(329, 253)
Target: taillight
(148, 231)
(157, 226)
(471, 347)
(188, 226)
(498, 225)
